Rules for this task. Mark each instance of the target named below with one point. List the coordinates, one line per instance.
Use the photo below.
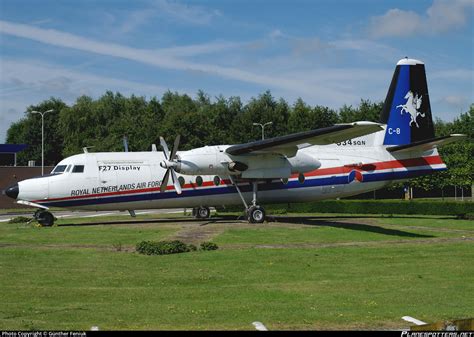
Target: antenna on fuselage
(86, 149)
(125, 143)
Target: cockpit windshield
(58, 169)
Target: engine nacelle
(302, 163)
(212, 160)
(273, 166)
(208, 160)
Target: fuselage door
(107, 174)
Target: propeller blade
(164, 182)
(175, 147)
(177, 185)
(170, 163)
(166, 152)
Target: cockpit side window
(78, 169)
(59, 169)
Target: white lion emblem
(411, 106)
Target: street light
(263, 127)
(42, 136)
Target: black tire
(256, 214)
(45, 219)
(203, 213)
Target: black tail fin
(407, 110)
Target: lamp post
(42, 136)
(263, 128)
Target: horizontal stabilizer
(427, 144)
(289, 144)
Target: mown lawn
(72, 277)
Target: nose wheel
(44, 218)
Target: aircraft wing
(427, 144)
(289, 144)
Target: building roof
(12, 148)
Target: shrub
(467, 216)
(170, 247)
(208, 246)
(19, 219)
(163, 247)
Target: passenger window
(78, 169)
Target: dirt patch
(196, 233)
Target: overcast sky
(326, 52)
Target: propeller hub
(166, 164)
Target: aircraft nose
(12, 191)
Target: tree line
(101, 124)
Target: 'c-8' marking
(392, 131)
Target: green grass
(420, 267)
(326, 232)
(97, 235)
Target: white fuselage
(132, 180)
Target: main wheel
(45, 219)
(256, 214)
(203, 212)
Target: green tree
(300, 117)
(262, 110)
(457, 156)
(322, 117)
(102, 123)
(28, 131)
(366, 111)
(184, 117)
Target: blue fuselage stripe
(276, 185)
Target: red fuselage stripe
(371, 167)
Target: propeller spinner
(170, 164)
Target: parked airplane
(332, 162)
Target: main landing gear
(201, 212)
(255, 213)
(44, 218)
